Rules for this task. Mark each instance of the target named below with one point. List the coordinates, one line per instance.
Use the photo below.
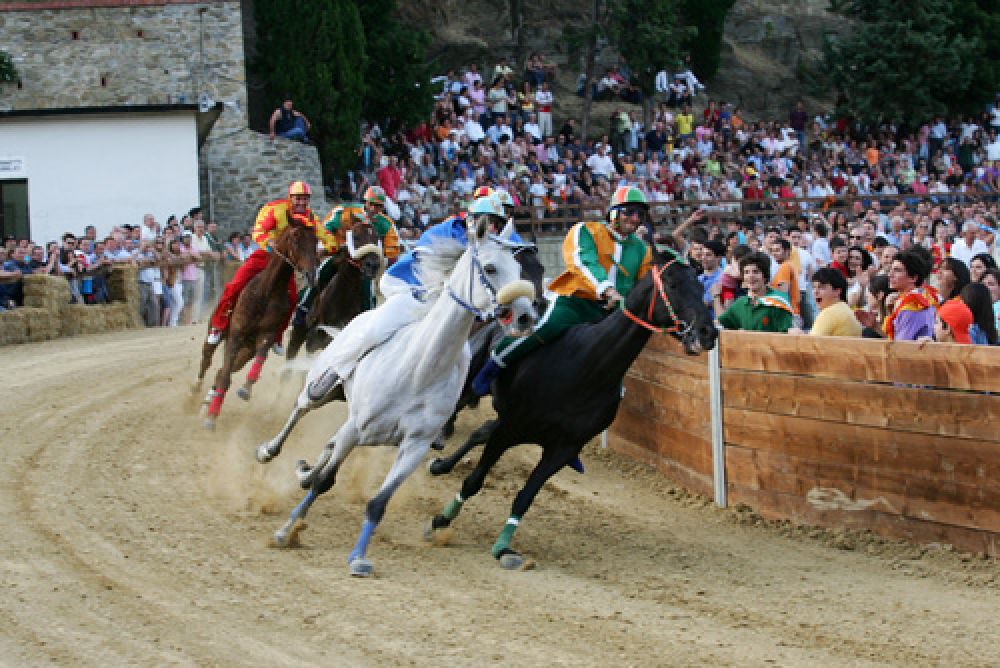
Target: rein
(291, 264)
(659, 292)
(476, 267)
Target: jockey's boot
(328, 387)
(299, 319)
(483, 381)
(214, 336)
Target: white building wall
(104, 170)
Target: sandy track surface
(131, 536)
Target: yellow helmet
(299, 188)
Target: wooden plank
(699, 482)
(668, 407)
(926, 411)
(933, 457)
(669, 345)
(835, 485)
(939, 365)
(772, 505)
(664, 441)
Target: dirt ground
(133, 537)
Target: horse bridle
(659, 292)
(476, 268)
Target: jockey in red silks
(271, 220)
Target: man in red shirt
(389, 177)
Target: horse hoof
(438, 537)
(209, 424)
(511, 561)
(264, 454)
(362, 568)
(243, 393)
(290, 538)
(438, 466)
(437, 445)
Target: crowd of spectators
(854, 198)
(496, 128)
(178, 265)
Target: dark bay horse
(566, 393)
(260, 313)
(349, 293)
(488, 334)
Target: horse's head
(671, 298)
(297, 246)
(532, 271)
(488, 278)
(364, 249)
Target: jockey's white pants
(371, 329)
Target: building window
(14, 219)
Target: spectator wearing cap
(952, 322)
(836, 318)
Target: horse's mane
(437, 261)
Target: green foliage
(397, 78)
(7, 70)
(314, 50)
(705, 43)
(647, 34)
(900, 60)
(979, 20)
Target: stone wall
(164, 51)
(47, 313)
(248, 169)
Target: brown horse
(348, 293)
(260, 314)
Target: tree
(979, 20)
(397, 77)
(901, 61)
(704, 45)
(8, 72)
(646, 33)
(314, 50)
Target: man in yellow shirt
(685, 123)
(835, 317)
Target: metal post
(718, 444)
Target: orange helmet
(299, 188)
(375, 194)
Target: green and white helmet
(628, 195)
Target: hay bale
(92, 319)
(72, 319)
(41, 323)
(43, 291)
(13, 328)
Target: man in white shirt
(149, 230)
(473, 130)
(543, 100)
(968, 246)
(531, 127)
(601, 163)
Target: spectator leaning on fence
(762, 309)
(836, 318)
(912, 316)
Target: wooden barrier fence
(894, 437)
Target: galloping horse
(348, 293)
(485, 337)
(565, 393)
(260, 312)
(402, 391)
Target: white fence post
(718, 444)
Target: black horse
(486, 336)
(349, 293)
(566, 393)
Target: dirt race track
(133, 537)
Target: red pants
(250, 268)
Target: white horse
(404, 389)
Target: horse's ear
(478, 227)
(508, 230)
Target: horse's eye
(490, 269)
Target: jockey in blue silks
(402, 274)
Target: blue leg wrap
(484, 379)
(300, 510)
(361, 547)
(576, 464)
